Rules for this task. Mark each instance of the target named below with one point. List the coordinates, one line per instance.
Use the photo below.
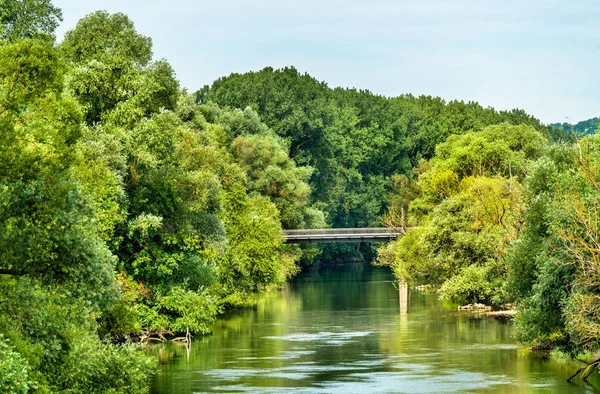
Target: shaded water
(338, 329)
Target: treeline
(588, 126)
(126, 209)
(357, 142)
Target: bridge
(327, 235)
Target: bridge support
(403, 296)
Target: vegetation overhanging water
(131, 208)
(338, 329)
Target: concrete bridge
(326, 235)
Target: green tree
(111, 69)
(469, 209)
(20, 19)
(553, 262)
(56, 273)
(273, 174)
(46, 228)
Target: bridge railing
(325, 235)
(340, 231)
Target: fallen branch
(151, 336)
(585, 371)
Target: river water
(338, 329)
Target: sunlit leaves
(111, 70)
(272, 173)
(106, 37)
(21, 19)
(470, 209)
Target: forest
(131, 208)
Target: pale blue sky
(539, 55)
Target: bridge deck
(376, 234)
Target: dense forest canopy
(357, 142)
(130, 208)
(588, 126)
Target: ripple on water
(413, 355)
(298, 371)
(319, 368)
(384, 382)
(289, 375)
(324, 337)
(494, 346)
(409, 382)
(290, 355)
(366, 363)
(414, 368)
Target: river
(338, 329)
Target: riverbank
(507, 313)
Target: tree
(553, 264)
(20, 19)
(111, 69)
(56, 273)
(469, 210)
(46, 228)
(273, 174)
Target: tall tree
(21, 19)
(469, 210)
(111, 69)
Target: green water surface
(338, 329)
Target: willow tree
(469, 208)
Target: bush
(96, 367)
(14, 370)
(474, 284)
(55, 344)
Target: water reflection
(344, 329)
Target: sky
(542, 56)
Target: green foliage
(100, 167)
(21, 19)
(355, 141)
(111, 69)
(101, 35)
(469, 209)
(56, 272)
(273, 174)
(255, 258)
(105, 368)
(554, 262)
(481, 284)
(160, 171)
(56, 334)
(408, 259)
(537, 277)
(46, 229)
(30, 72)
(14, 370)
(588, 126)
(179, 311)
